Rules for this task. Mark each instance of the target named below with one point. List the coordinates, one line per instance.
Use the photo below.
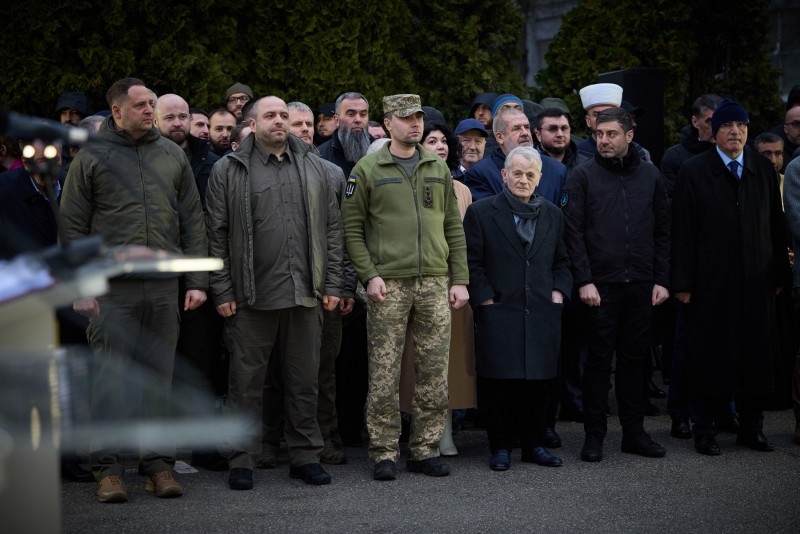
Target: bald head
(172, 118)
(271, 123)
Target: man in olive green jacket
(134, 187)
(404, 236)
(273, 218)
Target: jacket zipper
(627, 229)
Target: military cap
(402, 105)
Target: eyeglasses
(741, 125)
(243, 99)
(793, 124)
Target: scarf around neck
(528, 213)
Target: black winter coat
(690, 145)
(517, 337)
(617, 222)
(729, 252)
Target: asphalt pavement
(739, 491)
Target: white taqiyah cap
(606, 94)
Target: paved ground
(739, 491)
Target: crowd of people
(386, 280)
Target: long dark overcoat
(729, 252)
(518, 336)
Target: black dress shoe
(680, 428)
(310, 474)
(642, 445)
(592, 449)
(432, 467)
(384, 470)
(240, 479)
(655, 392)
(541, 456)
(551, 438)
(501, 460)
(729, 423)
(756, 441)
(706, 445)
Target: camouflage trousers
(423, 304)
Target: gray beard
(354, 144)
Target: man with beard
(410, 253)
(173, 120)
(273, 218)
(512, 129)
(728, 263)
(201, 328)
(236, 97)
(351, 140)
(221, 125)
(553, 133)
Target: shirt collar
(56, 187)
(727, 159)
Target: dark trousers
(514, 408)
(326, 405)
(134, 341)
(705, 412)
(252, 335)
(677, 400)
(352, 375)
(622, 322)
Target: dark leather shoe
(432, 467)
(592, 449)
(384, 470)
(311, 474)
(643, 445)
(655, 392)
(551, 439)
(501, 460)
(756, 441)
(680, 428)
(706, 445)
(541, 456)
(240, 479)
(729, 423)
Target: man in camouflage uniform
(404, 236)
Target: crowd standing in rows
(383, 273)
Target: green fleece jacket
(396, 227)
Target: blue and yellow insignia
(350, 187)
(564, 199)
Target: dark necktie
(734, 167)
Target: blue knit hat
(503, 99)
(728, 110)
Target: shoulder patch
(564, 199)
(350, 187)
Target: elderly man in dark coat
(519, 275)
(728, 258)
